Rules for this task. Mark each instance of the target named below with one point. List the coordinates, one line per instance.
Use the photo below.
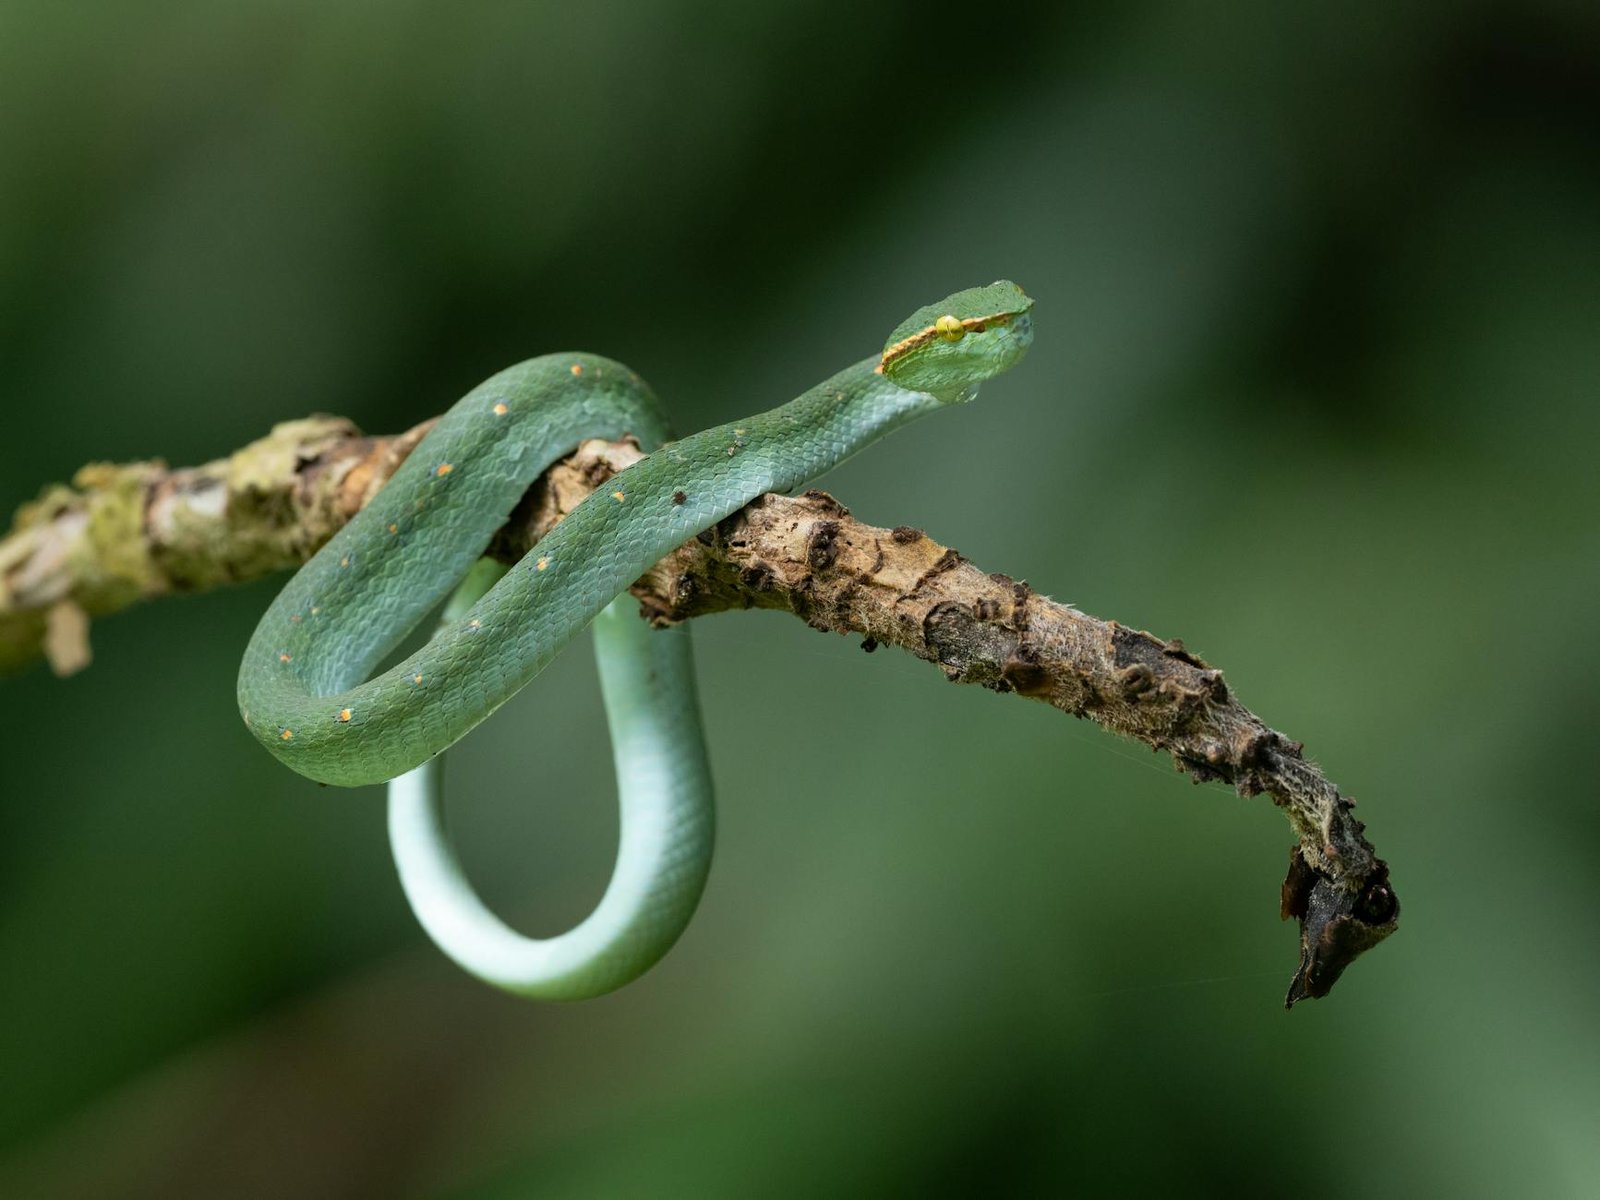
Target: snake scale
(304, 688)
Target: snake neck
(838, 418)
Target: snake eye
(1377, 905)
(949, 328)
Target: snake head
(1339, 921)
(948, 348)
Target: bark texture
(124, 533)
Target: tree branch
(124, 533)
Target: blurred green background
(1314, 389)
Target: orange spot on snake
(544, 561)
(501, 410)
(286, 735)
(577, 368)
(443, 469)
(416, 679)
(393, 528)
(283, 658)
(345, 561)
(618, 497)
(344, 714)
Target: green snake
(304, 689)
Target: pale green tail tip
(951, 346)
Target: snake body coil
(301, 688)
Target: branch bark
(125, 533)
